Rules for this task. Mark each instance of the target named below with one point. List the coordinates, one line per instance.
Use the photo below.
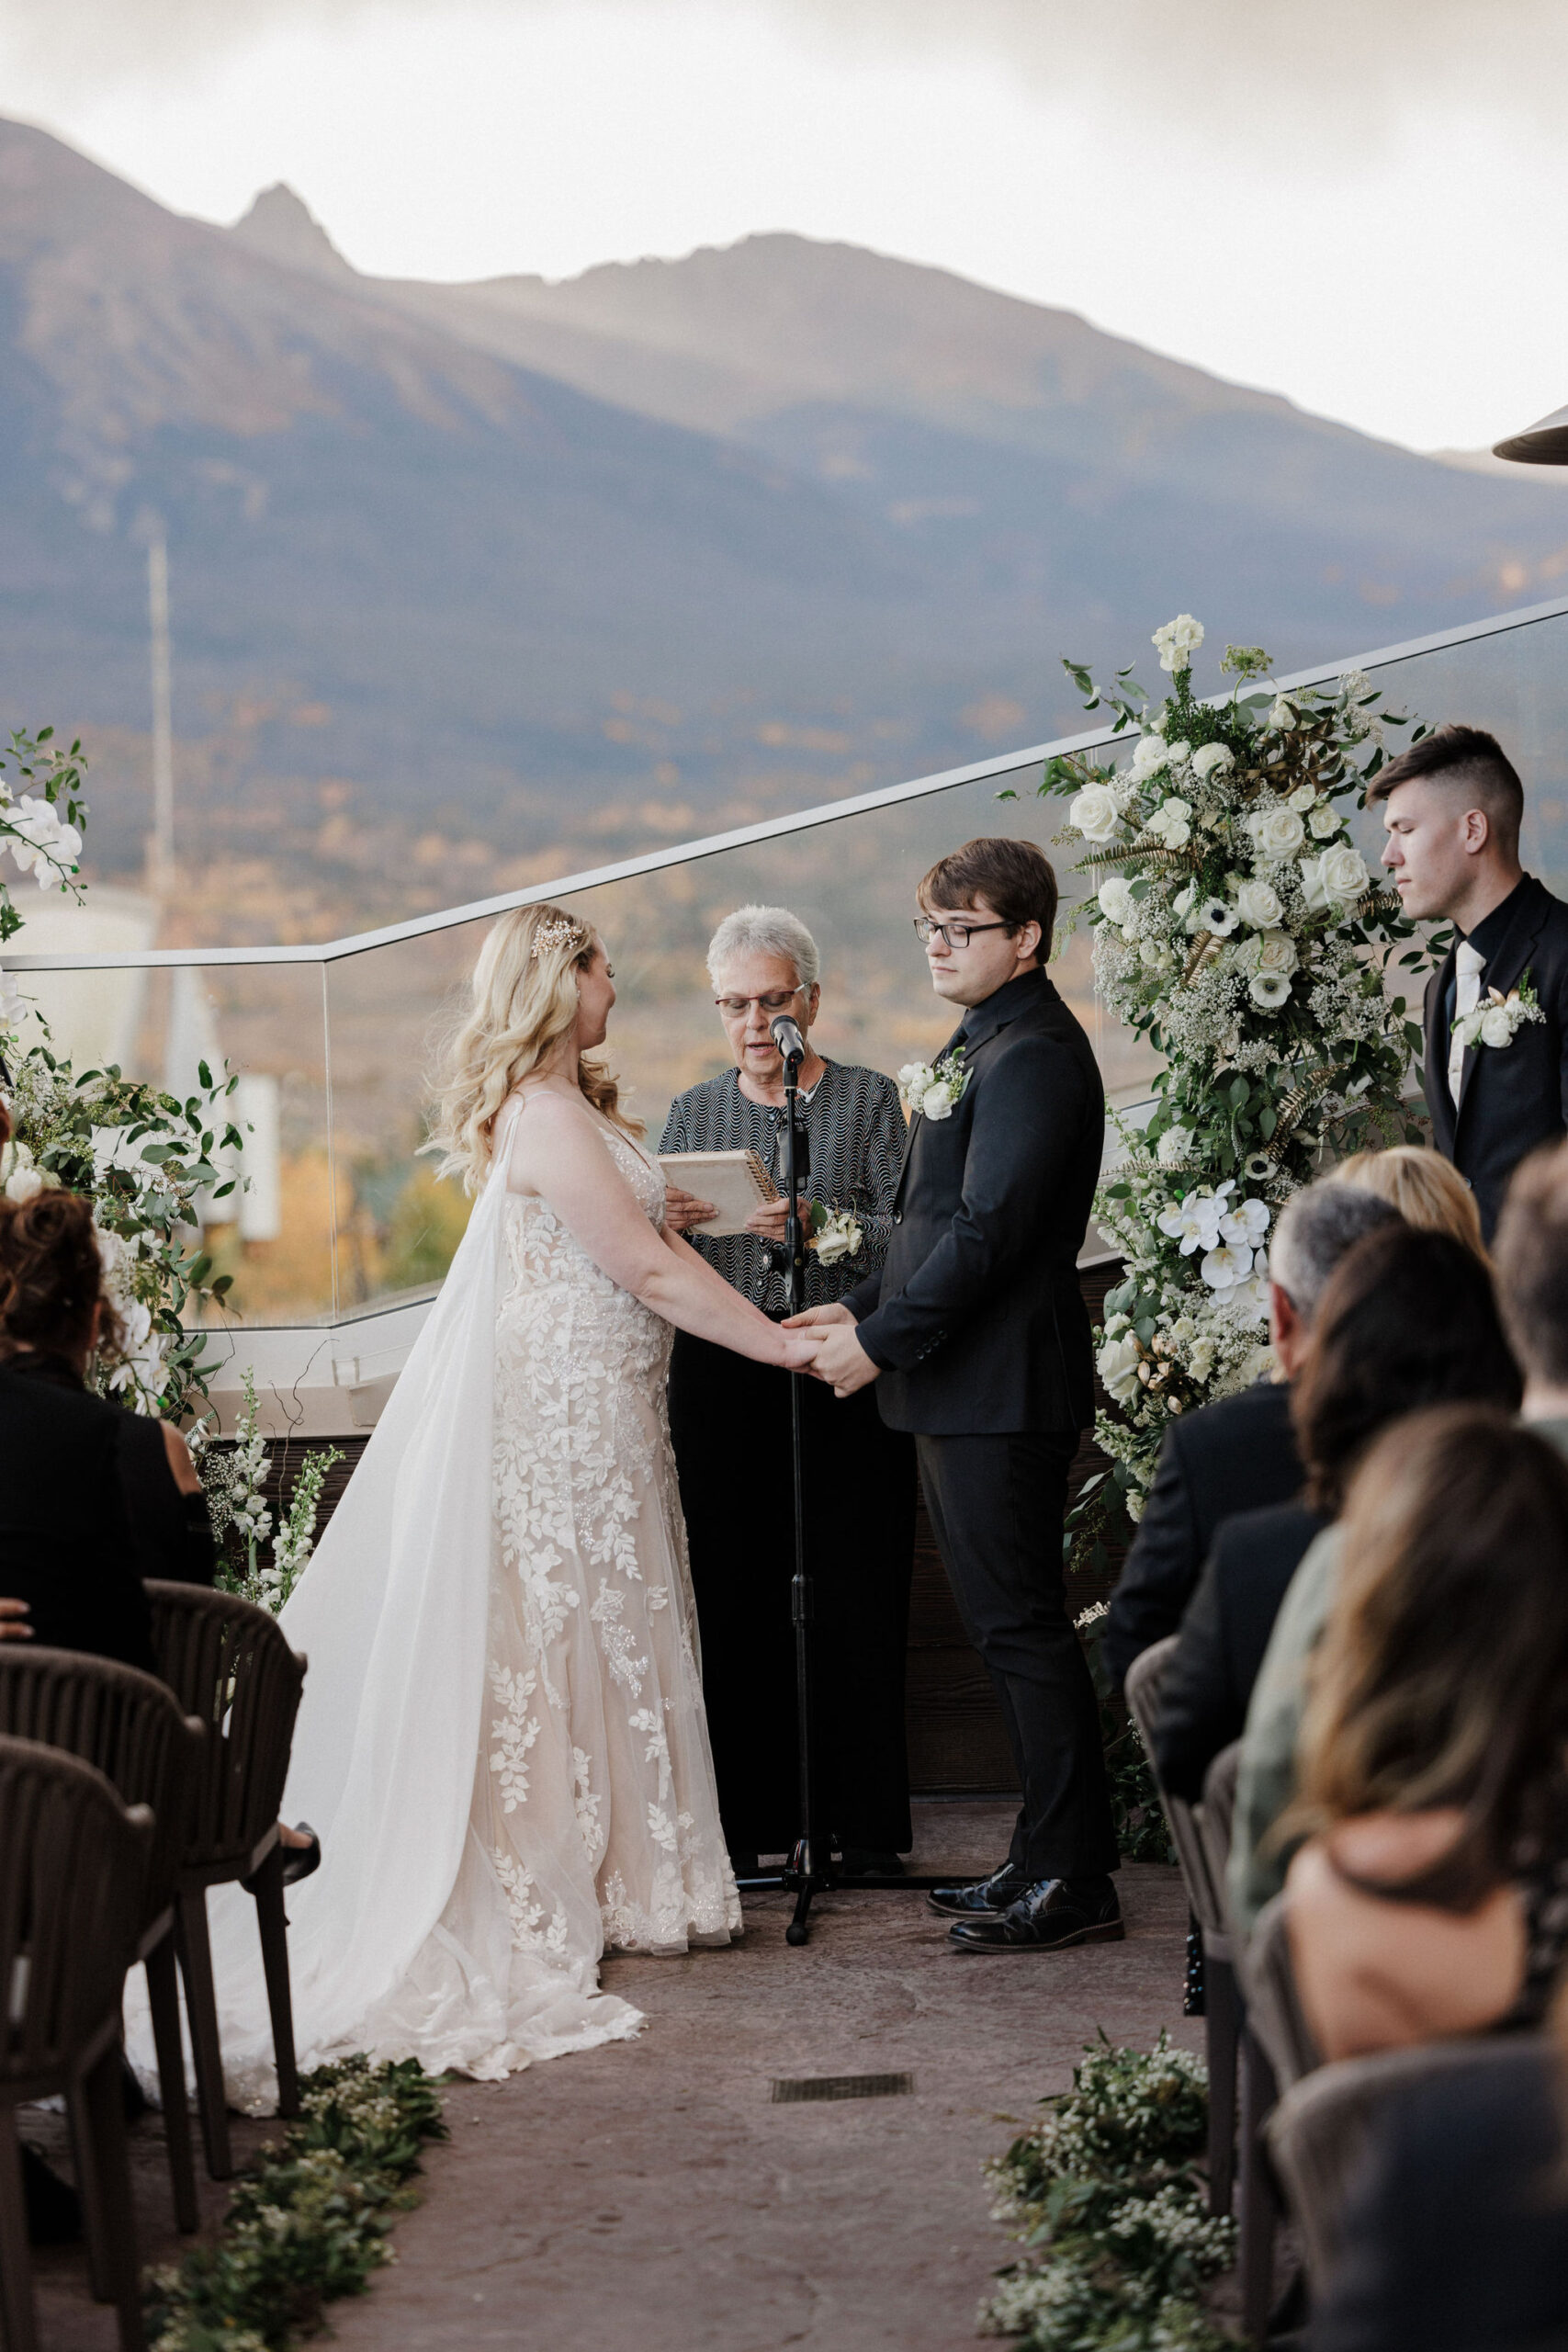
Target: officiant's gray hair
(1316, 1228)
(765, 931)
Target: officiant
(730, 1423)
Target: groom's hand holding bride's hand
(841, 1359)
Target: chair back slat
(73, 1894)
(126, 1724)
(229, 1665)
(1273, 2004)
(1145, 1678)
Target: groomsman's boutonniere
(835, 1234)
(933, 1090)
(1498, 1019)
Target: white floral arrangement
(143, 1159)
(235, 1479)
(1498, 1019)
(1238, 928)
(931, 1089)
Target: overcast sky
(1360, 203)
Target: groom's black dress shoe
(984, 1900)
(1049, 1916)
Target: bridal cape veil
(402, 1942)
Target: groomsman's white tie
(1469, 967)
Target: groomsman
(1453, 806)
(979, 1337)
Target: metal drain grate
(788, 2092)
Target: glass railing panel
(275, 1234)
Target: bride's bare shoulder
(538, 1126)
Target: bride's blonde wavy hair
(523, 1001)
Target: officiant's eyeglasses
(953, 934)
(735, 1008)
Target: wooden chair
(128, 1725)
(1318, 2133)
(1222, 1999)
(73, 1863)
(228, 1663)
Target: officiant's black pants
(996, 1506)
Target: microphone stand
(810, 1869)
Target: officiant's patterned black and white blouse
(856, 1129)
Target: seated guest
(1239, 1453)
(1408, 1321)
(1532, 1285)
(731, 1421)
(1432, 1896)
(1204, 1696)
(1427, 1189)
(66, 1548)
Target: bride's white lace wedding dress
(501, 1738)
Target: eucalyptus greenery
(309, 2218)
(1107, 2197)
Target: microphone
(787, 1037)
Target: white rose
(1258, 905)
(1179, 753)
(1093, 811)
(1117, 1364)
(1174, 1146)
(936, 1103)
(1323, 822)
(1303, 797)
(1116, 899)
(1276, 832)
(1344, 872)
(1213, 759)
(1153, 957)
(1178, 641)
(1276, 952)
(1201, 1362)
(1311, 871)
(25, 1184)
(1496, 1029)
(1150, 754)
(838, 1241)
(1283, 714)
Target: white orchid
(1250, 1300)
(1225, 1265)
(13, 1003)
(1095, 813)
(40, 842)
(1248, 1223)
(1178, 641)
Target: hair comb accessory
(559, 931)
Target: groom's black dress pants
(996, 1505)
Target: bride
(502, 1739)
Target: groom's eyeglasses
(953, 934)
(735, 1008)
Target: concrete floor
(649, 2197)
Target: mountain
(756, 526)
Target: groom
(980, 1339)
(1453, 806)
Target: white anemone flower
(1269, 990)
(1217, 918)
(1258, 1168)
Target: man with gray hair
(1239, 1453)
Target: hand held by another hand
(14, 1626)
(799, 1352)
(836, 1314)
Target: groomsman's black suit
(981, 1332)
(1511, 1097)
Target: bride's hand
(799, 1349)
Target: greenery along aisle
(1107, 2197)
(1238, 929)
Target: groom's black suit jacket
(1511, 1097)
(975, 1317)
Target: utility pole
(161, 857)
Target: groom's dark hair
(1015, 879)
(1467, 757)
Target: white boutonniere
(932, 1089)
(1498, 1019)
(835, 1234)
